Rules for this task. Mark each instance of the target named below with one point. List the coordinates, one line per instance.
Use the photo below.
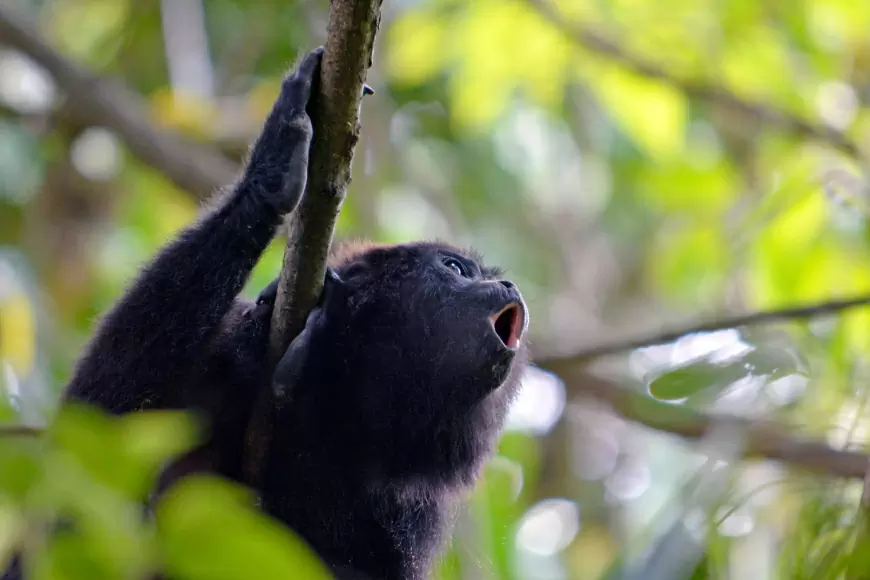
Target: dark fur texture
(392, 397)
(393, 409)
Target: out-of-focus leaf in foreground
(75, 494)
(209, 530)
(123, 453)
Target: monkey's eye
(454, 265)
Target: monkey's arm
(161, 326)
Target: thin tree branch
(764, 113)
(670, 335)
(95, 101)
(20, 431)
(763, 439)
(347, 57)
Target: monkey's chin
(502, 363)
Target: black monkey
(391, 398)
(397, 387)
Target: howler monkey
(400, 380)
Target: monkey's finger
(330, 280)
(309, 63)
(301, 81)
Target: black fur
(395, 402)
(391, 398)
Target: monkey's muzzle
(509, 324)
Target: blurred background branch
(95, 101)
(670, 335)
(763, 439)
(20, 431)
(782, 120)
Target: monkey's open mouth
(508, 324)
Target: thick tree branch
(346, 60)
(670, 335)
(763, 439)
(95, 101)
(764, 113)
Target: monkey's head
(416, 354)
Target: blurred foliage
(76, 495)
(618, 202)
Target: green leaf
(20, 466)
(107, 538)
(772, 361)
(208, 529)
(124, 453)
(71, 555)
(691, 184)
(689, 264)
(525, 451)
(495, 511)
(416, 42)
(150, 438)
(652, 113)
(449, 565)
(705, 375)
(757, 63)
(692, 378)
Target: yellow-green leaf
(652, 113)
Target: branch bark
(95, 101)
(670, 335)
(351, 31)
(764, 113)
(346, 59)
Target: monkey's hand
(291, 365)
(278, 168)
